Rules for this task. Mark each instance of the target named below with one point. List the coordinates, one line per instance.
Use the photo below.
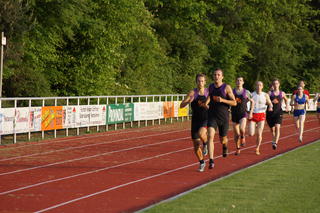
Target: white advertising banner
(70, 116)
(35, 119)
(148, 111)
(91, 115)
(22, 120)
(7, 118)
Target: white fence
(34, 115)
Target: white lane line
(77, 138)
(93, 144)
(91, 156)
(224, 177)
(87, 157)
(146, 178)
(88, 136)
(94, 171)
(88, 145)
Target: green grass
(290, 183)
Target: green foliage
(112, 47)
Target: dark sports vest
(199, 113)
(276, 102)
(242, 101)
(216, 109)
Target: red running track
(122, 171)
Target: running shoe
(211, 165)
(202, 166)
(205, 150)
(237, 152)
(224, 150)
(243, 141)
(274, 145)
(257, 152)
(300, 140)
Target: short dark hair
(275, 79)
(200, 75)
(218, 69)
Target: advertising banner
(7, 118)
(70, 116)
(84, 115)
(180, 112)
(119, 113)
(168, 109)
(22, 120)
(35, 119)
(148, 111)
(51, 117)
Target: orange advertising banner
(52, 118)
(168, 109)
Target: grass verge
(289, 183)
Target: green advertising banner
(119, 113)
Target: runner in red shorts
(261, 100)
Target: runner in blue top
(197, 98)
(274, 117)
(299, 102)
(219, 100)
(239, 113)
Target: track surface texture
(124, 170)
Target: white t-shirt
(260, 102)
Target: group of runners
(211, 108)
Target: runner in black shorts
(220, 99)
(274, 118)
(239, 113)
(197, 98)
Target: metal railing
(89, 100)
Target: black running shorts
(222, 126)
(195, 127)
(273, 119)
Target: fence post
(55, 130)
(15, 134)
(29, 133)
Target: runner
(239, 113)
(317, 102)
(261, 99)
(299, 102)
(274, 117)
(301, 84)
(220, 99)
(197, 98)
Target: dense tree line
(113, 47)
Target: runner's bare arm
(229, 93)
(286, 101)
(292, 102)
(307, 102)
(188, 99)
(269, 103)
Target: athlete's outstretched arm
(232, 100)
(286, 101)
(188, 99)
(269, 103)
(251, 107)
